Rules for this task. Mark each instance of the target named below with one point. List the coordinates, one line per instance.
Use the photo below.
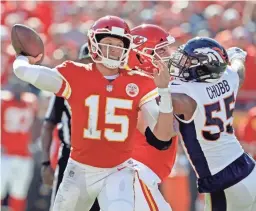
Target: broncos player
(204, 95)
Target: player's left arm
(237, 59)
(150, 114)
(159, 119)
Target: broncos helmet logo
(212, 53)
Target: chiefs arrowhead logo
(138, 40)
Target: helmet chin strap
(110, 63)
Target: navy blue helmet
(200, 60)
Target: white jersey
(208, 137)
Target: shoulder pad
(86, 66)
(138, 73)
(72, 64)
(179, 87)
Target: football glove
(236, 53)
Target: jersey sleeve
(55, 110)
(66, 70)
(149, 92)
(178, 87)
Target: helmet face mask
(110, 55)
(180, 63)
(161, 51)
(200, 60)
(96, 48)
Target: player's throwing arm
(30, 50)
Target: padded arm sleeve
(155, 142)
(43, 78)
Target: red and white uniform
(17, 119)
(159, 161)
(104, 114)
(16, 162)
(104, 118)
(154, 166)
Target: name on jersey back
(218, 89)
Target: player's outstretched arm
(238, 66)
(237, 59)
(43, 78)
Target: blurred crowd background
(63, 26)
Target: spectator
(231, 19)
(213, 15)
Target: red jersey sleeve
(66, 70)
(73, 75)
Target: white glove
(236, 53)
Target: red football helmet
(150, 43)
(109, 26)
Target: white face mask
(110, 59)
(107, 59)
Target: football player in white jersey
(204, 93)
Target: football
(26, 41)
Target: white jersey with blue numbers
(208, 137)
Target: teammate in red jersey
(18, 112)
(156, 46)
(104, 100)
(154, 162)
(151, 44)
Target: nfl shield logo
(109, 88)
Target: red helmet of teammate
(109, 26)
(151, 43)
